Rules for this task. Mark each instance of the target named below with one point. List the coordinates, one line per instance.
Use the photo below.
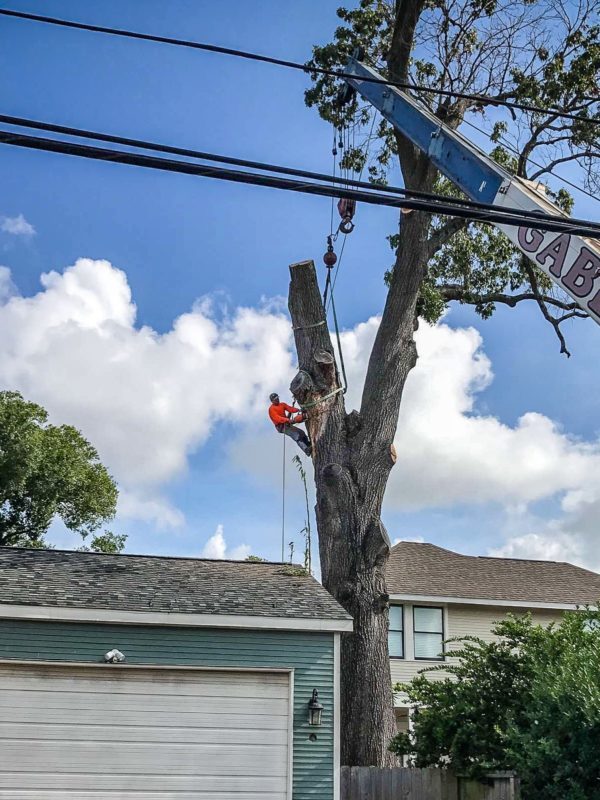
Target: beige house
(436, 594)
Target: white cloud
(541, 547)
(17, 226)
(448, 453)
(145, 399)
(418, 539)
(572, 535)
(157, 510)
(216, 547)
(7, 287)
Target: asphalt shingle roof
(427, 570)
(152, 583)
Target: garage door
(125, 733)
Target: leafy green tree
(539, 52)
(107, 542)
(529, 701)
(47, 471)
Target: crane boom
(571, 261)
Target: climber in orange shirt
(282, 416)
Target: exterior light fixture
(315, 709)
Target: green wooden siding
(309, 654)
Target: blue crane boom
(571, 261)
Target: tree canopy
(529, 702)
(47, 471)
(543, 53)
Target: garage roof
(422, 569)
(130, 583)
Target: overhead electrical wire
(500, 217)
(515, 152)
(281, 62)
(298, 173)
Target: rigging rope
(283, 503)
(328, 294)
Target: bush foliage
(529, 701)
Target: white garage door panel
(60, 794)
(141, 733)
(117, 703)
(169, 686)
(113, 733)
(193, 720)
(129, 758)
(51, 787)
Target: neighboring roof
(77, 580)
(427, 570)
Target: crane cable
(329, 284)
(330, 240)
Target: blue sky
(205, 249)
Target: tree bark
(353, 453)
(353, 543)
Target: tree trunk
(353, 455)
(352, 541)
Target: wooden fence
(407, 783)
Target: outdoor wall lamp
(315, 709)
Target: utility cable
(310, 70)
(515, 152)
(80, 133)
(512, 217)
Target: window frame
(442, 634)
(395, 630)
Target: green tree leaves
(537, 52)
(47, 471)
(529, 701)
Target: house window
(396, 632)
(429, 633)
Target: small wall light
(315, 709)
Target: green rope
(321, 399)
(313, 325)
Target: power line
(298, 173)
(281, 62)
(515, 152)
(539, 221)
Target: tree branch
(454, 291)
(544, 308)
(394, 351)
(441, 236)
(573, 157)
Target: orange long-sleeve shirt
(277, 413)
